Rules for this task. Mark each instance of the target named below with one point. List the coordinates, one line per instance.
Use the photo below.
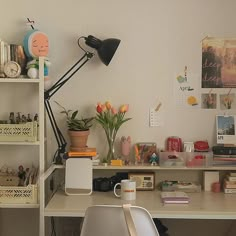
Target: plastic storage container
(27, 132)
(172, 159)
(199, 159)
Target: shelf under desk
(204, 205)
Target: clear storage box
(199, 159)
(172, 159)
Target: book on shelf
(88, 151)
(224, 157)
(230, 178)
(230, 184)
(232, 174)
(229, 190)
(221, 162)
(175, 197)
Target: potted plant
(78, 129)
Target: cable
(53, 232)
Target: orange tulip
(104, 108)
(108, 105)
(124, 108)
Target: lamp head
(105, 49)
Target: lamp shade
(105, 49)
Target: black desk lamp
(105, 49)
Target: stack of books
(224, 155)
(87, 152)
(176, 197)
(230, 183)
(83, 152)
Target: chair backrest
(108, 220)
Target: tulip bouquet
(111, 120)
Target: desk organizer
(18, 195)
(27, 132)
(188, 187)
(172, 159)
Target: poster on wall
(225, 128)
(218, 63)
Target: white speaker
(144, 181)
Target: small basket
(18, 195)
(27, 132)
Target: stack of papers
(174, 197)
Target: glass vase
(111, 148)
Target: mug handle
(116, 185)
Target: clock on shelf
(12, 69)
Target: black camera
(105, 184)
(102, 184)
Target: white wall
(158, 39)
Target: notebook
(174, 197)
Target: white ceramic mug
(127, 190)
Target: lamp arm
(61, 142)
(54, 88)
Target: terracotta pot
(78, 139)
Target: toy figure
(125, 145)
(21, 175)
(125, 148)
(35, 46)
(153, 159)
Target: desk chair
(126, 220)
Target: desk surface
(204, 205)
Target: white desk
(205, 205)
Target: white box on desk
(210, 177)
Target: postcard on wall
(225, 128)
(218, 63)
(186, 91)
(209, 101)
(227, 101)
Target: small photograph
(227, 101)
(225, 129)
(209, 101)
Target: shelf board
(143, 167)
(204, 205)
(19, 80)
(150, 167)
(21, 143)
(13, 205)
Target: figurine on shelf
(21, 175)
(12, 118)
(153, 159)
(125, 148)
(35, 46)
